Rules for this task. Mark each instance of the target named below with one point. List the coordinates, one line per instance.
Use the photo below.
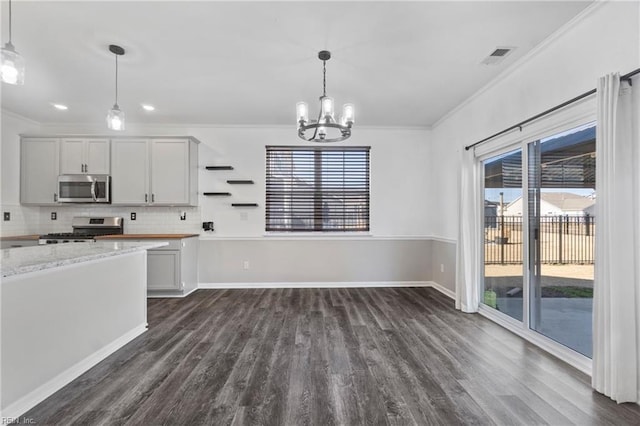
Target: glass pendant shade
(13, 66)
(302, 112)
(327, 107)
(348, 114)
(115, 118)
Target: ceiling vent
(498, 55)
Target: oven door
(84, 189)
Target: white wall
(24, 220)
(399, 209)
(605, 39)
(399, 176)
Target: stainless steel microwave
(84, 188)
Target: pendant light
(326, 122)
(13, 66)
(115, 117)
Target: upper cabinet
(154, 171)
(130, 171)
(84, 156)
(174, 164)
(39, 170)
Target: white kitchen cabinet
(163, 270)
(130, 171)
(84, 156)
(154, 171)
(172, 270)
(39, 170)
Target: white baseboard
(327, 284)
(42, 392)
(442, 289)
(160, 295)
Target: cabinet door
(129, 171)
(72, 156)
(170, 171)
(38, 171)
(163, 270)
(97, 156)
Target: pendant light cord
(9, 21)
(116, 79)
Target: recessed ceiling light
(148, 107)
(60, 107)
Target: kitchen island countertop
(17, 261)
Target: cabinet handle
(146, 198)
(153, 198)
(55, 197)
(86, 168)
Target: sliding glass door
(539, 236)
(561, 198)
(503, 267)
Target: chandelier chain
(324, 78)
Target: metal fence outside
(563, 239)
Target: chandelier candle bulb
(302, 112)
(327, 108)
(348, 114)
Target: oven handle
(93, 189)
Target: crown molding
(15, 115)
(530, 55)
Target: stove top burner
(76, 235)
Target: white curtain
(469, 233)
(616, 299)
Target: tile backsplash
(37, 220)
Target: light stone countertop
(15, 261)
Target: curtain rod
(625, 77)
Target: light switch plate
(7, 216)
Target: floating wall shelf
(240, 182)
(217, 193)
(219, 167)
(244, 204)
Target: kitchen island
(64, 308)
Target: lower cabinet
(172, 270)
(163, 270)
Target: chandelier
(325, 128)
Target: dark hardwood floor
(327, 356)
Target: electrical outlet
(245, 265)
(54, 216)
(183, 216)
(7, 216)
(133, 215)
(442, 267)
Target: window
(317, 189)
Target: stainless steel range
(85, 229)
